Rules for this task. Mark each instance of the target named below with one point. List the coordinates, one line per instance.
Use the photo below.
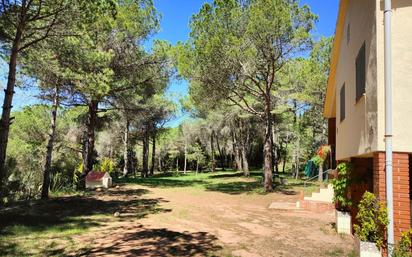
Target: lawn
(230, 182)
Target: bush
(373, 220)
(341, 186)
(107, 165)
(404, 247)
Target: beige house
(355, 100)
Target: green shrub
(373, 220)
(77, 173)
(107, 165)
(404, 247)
(341, 186)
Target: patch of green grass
(224, 181)
(335, 252)
(45, 240)
(47, 228)
(352, 253)
(55, 241)
(230, 182)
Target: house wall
(356, 135)
(402, 75)
(401, 198)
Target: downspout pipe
(388, 123)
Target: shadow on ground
(155, 242)
(75, 213)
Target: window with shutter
(348, 34)
(342, 103)
(361, 72)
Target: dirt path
(194, 222)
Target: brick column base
(401, 200)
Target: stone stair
(321, 201)
(324, 195)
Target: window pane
(342, 103)
(361, 72)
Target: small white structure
(343, 222)
(97, 179)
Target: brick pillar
(401, 200)
(362, 173)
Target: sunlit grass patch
(230, 182)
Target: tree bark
(126, 148)
(152, 168)
(91, 126)
(50, 144)
(185, 164)
(268, 146)
(7, 102)
(274, 153)
(297, 159)
(237, 153)
(243, 149)
(221, 157)
(145, 170)
(177, 164)
(212, 151)
(285, 155)
(245, 162)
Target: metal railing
(317, 176)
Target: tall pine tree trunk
(237, 153)
(221, 157)
(50, 144)
(177, 164)
(245, 162)
(268, 146)
(126, 148)
(285, 155)
(7, 103)
(185, 164)
(275, 155)
(243, 147)
(145, 170)
(212, 151)
(152, 168)
(89, 153)
(297, 159)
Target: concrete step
(315, 206)
(324, 195)
(286, 206)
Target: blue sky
(176, 15)
(174, 27)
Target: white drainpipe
(388, 123)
